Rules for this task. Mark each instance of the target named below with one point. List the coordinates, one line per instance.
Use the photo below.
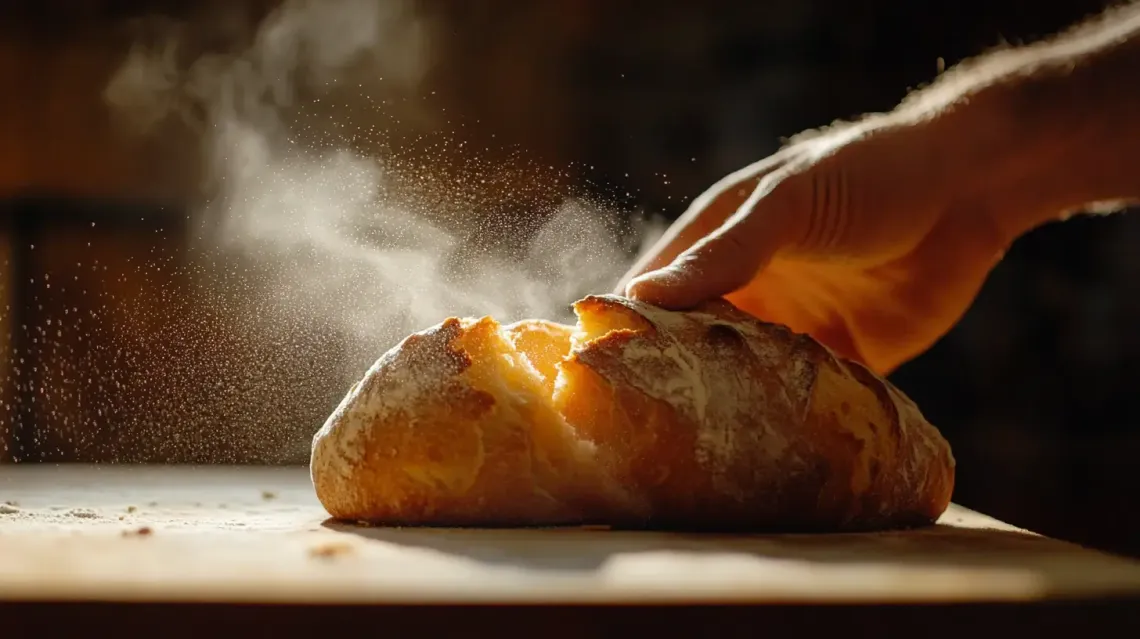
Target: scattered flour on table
(83, 513)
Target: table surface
(258, 535)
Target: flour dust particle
(319, 240)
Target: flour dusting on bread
(407, 375)
(636, 416)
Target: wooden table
(216, 541)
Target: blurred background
(214, 215)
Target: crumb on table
(141, 531)
(331, 549)
(131, 509)
(268, 495)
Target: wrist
(1013, 155)
(972, 160)
(1038, 133)
(1025, 155)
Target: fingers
(707, 213)
(711, 268)
(683, 233)
(721, 262)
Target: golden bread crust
(641, 417)
(427, 438)
(720, 420)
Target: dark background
(647, 104)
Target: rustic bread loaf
(637, 417)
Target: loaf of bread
(638, 417)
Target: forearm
(1055, 126)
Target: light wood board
(253, 535)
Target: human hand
(872, 238)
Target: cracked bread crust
(704, 419)
(719, 420)
(441, 431)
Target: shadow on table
(1053, 564)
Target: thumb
(722, 262)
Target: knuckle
(820, 195)
(731, 243)
(783, 206)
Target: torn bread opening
(593, 324)
(513, 363)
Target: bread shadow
(579, 550)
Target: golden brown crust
(642, 417)
(438, 433)
(725, 421)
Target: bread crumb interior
(593, 325)
(500, 367)
(523, 365)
